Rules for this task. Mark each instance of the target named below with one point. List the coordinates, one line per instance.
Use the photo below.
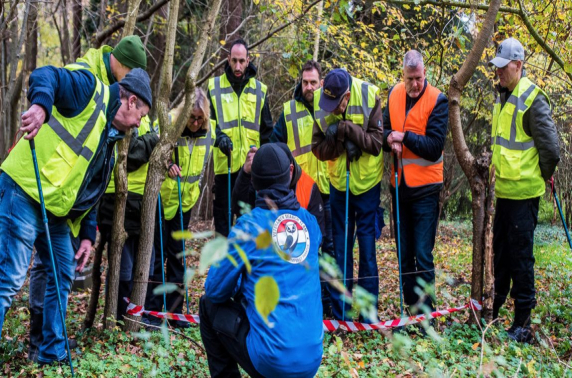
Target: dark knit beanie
(130, 52)
(297, 169)
(270, 166)
(137, 82)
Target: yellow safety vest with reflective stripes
(366, 172)
(64, 149)
(194, 154)
(237, 117)
(515, 157)
(136, 179)
(93, 61)
(299, 125)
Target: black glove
(352, 150)
(332, 132)
(225, 145)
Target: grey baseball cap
(509, 49)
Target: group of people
(313, 180)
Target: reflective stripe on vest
(93, 62)
(293, 118)
(515, 156)
(64, 151)
(418, 171)
(192, 171)
(238, 117)
(367, 171)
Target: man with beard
(243, 119)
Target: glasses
(194, 119)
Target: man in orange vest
(415, 126)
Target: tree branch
(104, 34)
(260, 41)
(540, 41)
(457, 4)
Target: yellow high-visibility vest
(366, 172)
(299, 125)
(194, 154)
(515, 156)
(237, 117)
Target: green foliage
(266, 296)
(212, 252)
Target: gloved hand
(225, 145)
(332, 132)
(352, 150)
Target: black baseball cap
(336, 84)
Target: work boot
(179, 324)
(520, 334)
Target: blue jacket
(70, 92)
(291, 346)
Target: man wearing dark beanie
(233, 331)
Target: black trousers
(224, 328)
(175, 270)
(513, 242)
(220, 203)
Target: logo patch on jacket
(291, 235)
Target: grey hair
(413, 59)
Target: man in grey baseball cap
(525, 153)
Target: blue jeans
(22, 227)
(418, 227)
(361, 213)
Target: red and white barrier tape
(329, 325)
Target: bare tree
(169, 134)
(476, 169)
(118, 234)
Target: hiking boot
(520, 334)
(179, 324)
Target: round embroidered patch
(291, 235)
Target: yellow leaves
(243, 257)
(222, 42)
(475, 346)
(263, 240)
(266, 296)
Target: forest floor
(455, 349)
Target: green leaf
(266, 296)
(244, 258)
(213, 251)
(180, 235)
(263, 240)
(165, 288)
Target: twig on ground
(170, 330)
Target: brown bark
(118, 235)
(231, 17)
(66, 39)
(169, 134)
(76, 41)
(476, 170)
(95, 287)
(489, 290)
(203, 209)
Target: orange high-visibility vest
(418, 171)
(304, 188)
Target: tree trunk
(118, 235)
(76, 42)
(231, 17)
(203, 209)
(476, 170)
(320, 10)
(489, 293)
(96, 285)
(66, 39)
(169, 134)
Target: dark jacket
(280, 133)
(368, 140)
(70, 92)
(243, 191)
(238, 85)
(429, 146)
(537, 123)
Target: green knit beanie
(130, 52)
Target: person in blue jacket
(288, 343)
(60, 97)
